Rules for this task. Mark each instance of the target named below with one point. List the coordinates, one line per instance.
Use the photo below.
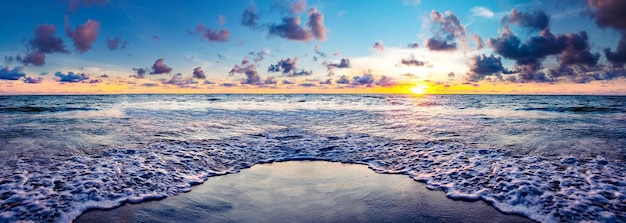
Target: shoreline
(305, 191)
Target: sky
(313, 46)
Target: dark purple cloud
(34, 58)
(249, 17)
(286, 66)
(198, 73)
(536, 20)
(386, 81)
(343, 63)
(307, 84)
(290, 28)
(440, 45)
(413, 45)
(11, 74)
(139, 72)
(412, 62)
(85, 34)
(482, 66)
(217, 36)
(116, 43)
(160, 68)
(270, 80)
(32, 80)
(45, 41)
(316, 23)
(366, 79)
(300, 72)
(617, 58)
(610, 14)
(577, 52)
(448, 28)
(572, 49)
(252, 76)
(378, 46)
(343, 80)
(71, 77)
(318, 52)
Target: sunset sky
(314, 46)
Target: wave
(580, 109)
(547, 189)
(37, 109)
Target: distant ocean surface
(551, 158)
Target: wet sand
(306, 191)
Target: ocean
(550, 158)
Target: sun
(419, 89)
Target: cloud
(180, 81)
(413, 45)
(45, 41)
(84, 35)
(577, 52)
(617, 58)
(198, 73)
(252, 76)
(249, 17)
(482, 12)
(35, 58)
(440, 45)
(271, 80)
(343, 80)
(11, 74)
(478, 41)
(610, 13)
(71, 77)
(217, 36)
(536, 20)
(300, 72)
(318, 52)
(290, 28)
(343, 63)
(448, 28)
(482, 66)
(572, 49)
(160, 68)
(386, 81)
(32, 80)
(378, 46)
(139, 73)
(365, 79)
(259, 56)
(307, 84)
(116, 43)
(412, 62)
(316, 23)
(286, 66)
(298, 6)
(210, 34)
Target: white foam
(542, 188)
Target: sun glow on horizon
(419, 89)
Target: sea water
(550, 158)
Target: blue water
(551, 158)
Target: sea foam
(547, 189)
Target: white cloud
(482, 12)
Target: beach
(306, 191)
